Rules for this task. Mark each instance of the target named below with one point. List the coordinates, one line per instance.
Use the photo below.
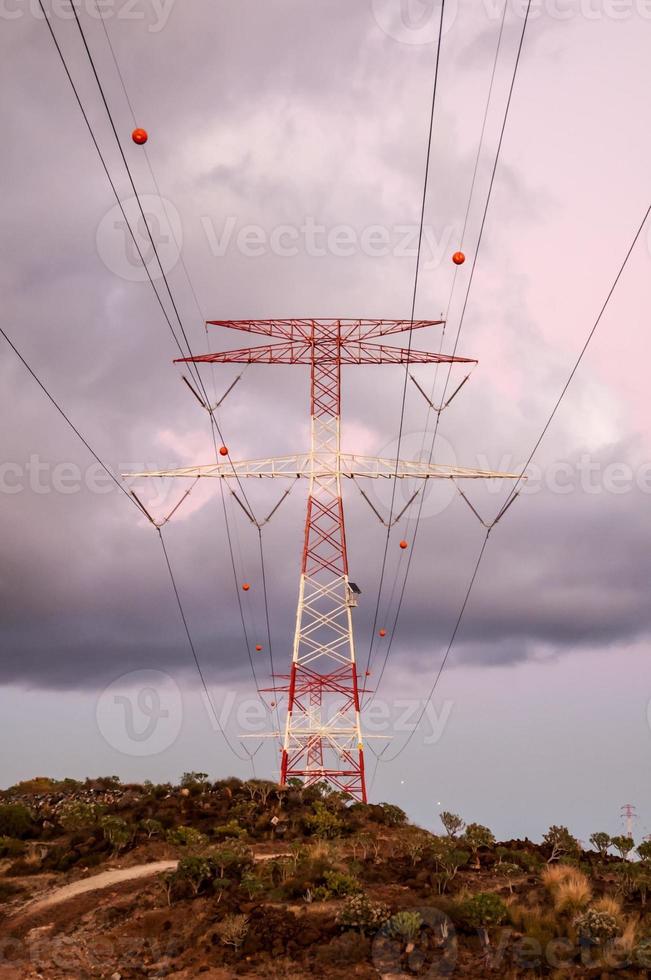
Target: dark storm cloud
(323, 118)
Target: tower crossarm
(360, 328)
(302, 351)
(321, 467)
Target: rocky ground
(248, 879)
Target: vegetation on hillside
(302, 881)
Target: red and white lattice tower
(322, 739)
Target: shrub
(596, 927)
(510, 871)
(338, 884)
(475, 837)
(623, 844)
(251, 884)
(196, 871)
(452, 822)
(601, 842)
(233, 930)
(76, 815)
(230, 829)
(404, 925)
(447, 859)
(394, 816)
(359, 912)
(569, 888)
(116, 831)
(322, 822)
(186, 837)
(560, 842)
(15, 820)
(483, 911)
(153, 828)
(196, 782)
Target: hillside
(234, 878)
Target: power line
(213, 421)
(460, 325)
(108, 174)
(128, 496)
(413, 311)
(546, 426)
(192, 647)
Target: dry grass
(569, 888)
(322, 850)
(533, 921)
(612, 906)
(629, 937)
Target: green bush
(338, 884)
(76, 815)
(186, 837)
(153, 828)
(483, 910)
(230, 829)
(116, 831)
(15, 820)
(394, 816)
(359, 912)
(404, 925)
(322, 822)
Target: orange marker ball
(258, 647)
(246, 587)
(223, 450)
(139, 136)
(383, 632)
(458, 258)
(404, 544)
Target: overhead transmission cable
(211, 411)
(128, 496)
(411, 331)
(537, 443)
(460, 325)
(127, 223)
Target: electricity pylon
(323, 735)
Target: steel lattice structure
(323, 733)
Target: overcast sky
(289, 140)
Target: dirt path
(97, 882)
(107, 878)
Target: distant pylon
(629, 815)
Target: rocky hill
(232, 878)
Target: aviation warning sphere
(258, 647)
(139, 136)
(246, 586)
(223, 450)
(458, 258)
(404, 544)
